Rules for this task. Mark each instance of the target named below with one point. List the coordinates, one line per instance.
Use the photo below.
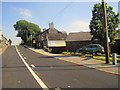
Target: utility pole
(106, 32)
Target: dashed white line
(68, 86)
(40, 82)
(33, 66)
(25, 58)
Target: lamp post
(106, 32)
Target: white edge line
(40, 82)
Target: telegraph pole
(106, 32)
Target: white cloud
(78, 26)
(26, 13)
(79, 23)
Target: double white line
(40, 82)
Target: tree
(25, 29)
(10, 41)
(97, 24)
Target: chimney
(51, 25)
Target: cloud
(80, 26)
(76, 26)
(26, 13)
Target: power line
(62, 10)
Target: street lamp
(106, 32)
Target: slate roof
(57, 36)
(79, 36)
(47, 30)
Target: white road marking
(68, 86)
(33, 66)
(40, 82)
(25, 58)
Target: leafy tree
(97, 24)
(22, 42)
(10, 41)
(25, 29)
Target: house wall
(52, 31)
(56, 43)
(72, 46)
(4, 42)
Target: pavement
(88, 62)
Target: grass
(102, 56)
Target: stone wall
(72, 46)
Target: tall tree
(25, 29)
(97, 24)
(10, 41)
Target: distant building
(5, 41)
(77, 40)
(51, 39)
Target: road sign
(34, 41)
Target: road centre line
(40, 82)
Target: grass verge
(100, 56)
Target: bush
(83, 50)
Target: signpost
(34, 41)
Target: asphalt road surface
(52, 72)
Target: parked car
(90, 48)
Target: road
(52, 72)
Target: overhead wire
(62, 10)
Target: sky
(67, 16)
